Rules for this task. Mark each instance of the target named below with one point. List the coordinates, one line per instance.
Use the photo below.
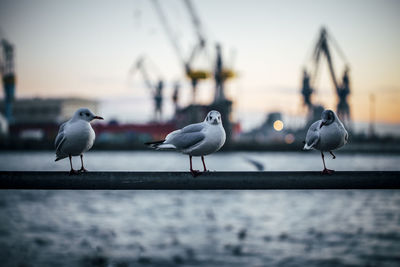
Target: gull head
(327, 117)
(213, 117)
(86, 115)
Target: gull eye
(87, 114)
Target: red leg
(333, 155)
(204, 164)
(82, 168)
(194, 172)
(325, 170)
(72, 171)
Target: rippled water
(193, 228)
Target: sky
(86, 48)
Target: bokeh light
(278, 125)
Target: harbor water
(200, 228)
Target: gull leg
(325, 170)
(333, 155)
(82, 168)
(194, 172)
(72, 171)
(204, 164)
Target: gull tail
(60, 157)
(160, 145)
(154, 144)
(307, 146)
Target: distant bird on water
(75, 137)
(198, 139)
(326, 135)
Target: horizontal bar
(208, 180)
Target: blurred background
(149, 67)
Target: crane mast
(8, 76)
(155, 87)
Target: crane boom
(201, 44)
(322, 47)
(140, 66)
(196, 22)
(168, 30)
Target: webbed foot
(73, 172)
(195, 173)
(327, 171)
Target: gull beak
(322, 124)
(98, 117)
(215, 121)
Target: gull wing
(191, 128)
(197, 127)
(182, 140)
(312, 137)
(60, 139)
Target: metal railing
(206, 181)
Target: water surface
(199, 228)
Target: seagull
(197, 139)
(75, 137)
(326, 134)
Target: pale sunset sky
(85, 49)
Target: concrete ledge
(207, 181)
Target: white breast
(79, 136)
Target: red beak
(98, 117)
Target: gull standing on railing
(326, 135)
(75, 137)
(197, 139)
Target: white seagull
(326, 134)
(197, 139)
(76, 136)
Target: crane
(195, 75)
(175, 95)
(156, 87)
(306, 90)
(221, 73)
(7, 70)
(201, 42)
(342, 89)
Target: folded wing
(60, 139)
(312, 137)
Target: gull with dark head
(199, 139)
(76, 136)
(326, 135)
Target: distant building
(33, 111)
(272, 131)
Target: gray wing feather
(197, 127)
(312, 137)
(60, 137)
(184, 140)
